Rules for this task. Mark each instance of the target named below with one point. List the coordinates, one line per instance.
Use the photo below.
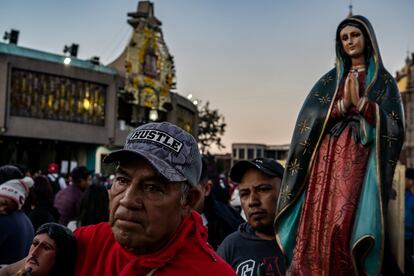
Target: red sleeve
(335, 113)
(368, 112)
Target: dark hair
(94, 205)
(9, 172)
(79, 173)
(41, 194)
(409, 173)
(368, 44)
(65, 248)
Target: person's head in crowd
(409, 178)
(24, 169)
(8, 172)
(53, 252)
(13, 194)
(205, 185)
(155, 186)
(259, 184)
(94, 205)
(41, 194)
(82, 177)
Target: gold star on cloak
(324, 100)
(394, 116)
(294, 167)
(304, 126)
(326, 80)
(286, 194)
(390, 139)
(306, 146)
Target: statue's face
(353, 41)
(42, 255)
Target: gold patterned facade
(149, 67)
(46, 96)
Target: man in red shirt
(152, 229)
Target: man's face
(258, 197)
(42, 255)
(85, 182)
(145, 209)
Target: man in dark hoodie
(252, 250)
(219, 218)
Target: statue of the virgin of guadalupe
(347, 140)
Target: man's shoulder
(68, 194)
(62, 193)
(96, 235)
(17, 221)
(201, 261)
(98, 251)
(102, 229)
(234, 238)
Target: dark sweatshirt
(250, 255)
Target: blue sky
(254, 60)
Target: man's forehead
(136, 163)
(144, 170)
(255, 177)
(252, 185)
(253, 173)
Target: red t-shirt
(187, 254)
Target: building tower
(405, 82)
(148, 68)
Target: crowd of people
(167, 213)
(160, 215)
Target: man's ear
(194, 195)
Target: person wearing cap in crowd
(56, 180)
(8, 172)
(409, 222)
(252, 250)
(219, 218)
(52, 253)
(152, 229)
(67, 201)
(16, 230)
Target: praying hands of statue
(351, 90)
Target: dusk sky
(254, 60)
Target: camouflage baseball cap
(171, 150)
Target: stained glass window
(51, 97)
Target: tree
(211, 127)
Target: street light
(153, 115)
(67, 60)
